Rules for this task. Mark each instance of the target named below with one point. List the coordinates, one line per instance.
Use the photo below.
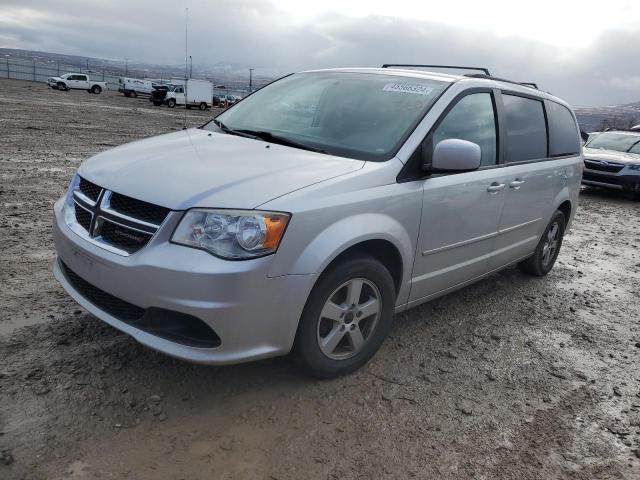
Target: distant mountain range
(617, 116)
(236, 75)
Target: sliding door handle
(495, 187)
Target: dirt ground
(512, 378)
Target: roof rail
(524, 84)
(453, 67)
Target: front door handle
(516, 184)
(495, 187)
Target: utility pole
(250, 79)
(190, 66)
(126, 67)
(87, 64)
(186, 40)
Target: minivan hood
(197, 168)
(610, 155)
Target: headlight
(69, 211)
(232, 234)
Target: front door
(461, 212)
(180, 99)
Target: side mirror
(455, 155)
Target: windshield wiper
(231, 131)
(270, 137)
(632, 146)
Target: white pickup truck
(76, 81)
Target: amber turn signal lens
(276, 225)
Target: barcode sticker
(407, 88)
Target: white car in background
(76, 81)
(132, 87)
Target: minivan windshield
(365, 116)
(620, 142)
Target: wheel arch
(382, 250)
(564, 202)
(379, 235)
(565, 208)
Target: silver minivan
(306, 215)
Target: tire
(188, 107)
(326, 347)
(134, 94)
(96, 89)
(157, 104)
(171, 103)
(542, 261)
(203, 106)
(62, 86)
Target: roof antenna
(186, 53)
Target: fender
(569, 192)
(337, 237)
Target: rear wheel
(346, 318)
(134, 94)
(546, 253)
(96, 89)
(171, 103)
(203, 106)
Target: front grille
(113, 219)
(609, 167)
(123, 237)
(90, 190)
(83, 217)
(112, 305)
(595, 177)
(138, 209)
(177, 327)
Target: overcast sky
(585, 52)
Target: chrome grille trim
(83, 198)
(101, 212)
(105, 206)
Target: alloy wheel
(550, 245)
(349, 318)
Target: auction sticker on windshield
(407, 88)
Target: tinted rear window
(563, 133)
(525, 127)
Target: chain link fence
(34, 71)
(40, 71)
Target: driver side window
(472, 119)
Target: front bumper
(254, 316)
(627, 179)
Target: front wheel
(346, 318)
(171, 103)
(546, 253)
(62, 86)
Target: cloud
(259, 34)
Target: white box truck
(194, 93)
